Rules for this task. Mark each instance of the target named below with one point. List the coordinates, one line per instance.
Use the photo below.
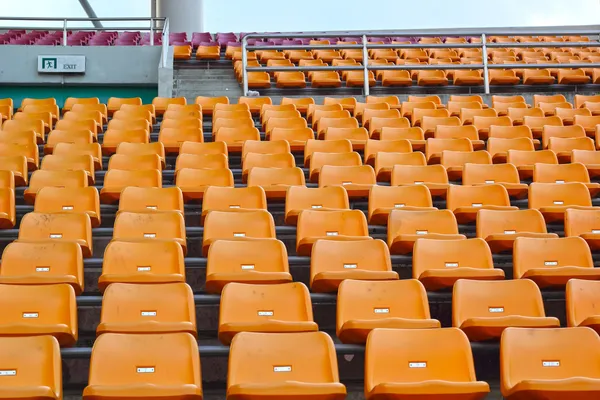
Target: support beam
(89, 10)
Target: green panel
(60, 93)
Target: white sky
(313, 15)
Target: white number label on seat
(417, 365)
(551, 363)
(282, 368)
(145, 370)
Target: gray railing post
(486, 77)
(245, 65)
(151, 32)
(365, 65)
(65, 32)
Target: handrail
(152, 24)
(365, 46)
(165, 43)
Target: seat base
(216, 281)
(304, 245)
(560, 389)
(356, 331)
(143, 391)
(558, 277)
(329, 281)
(464, 215)
(500, 243)
(288, 390)
(435, 279)
(487, 328)
(430, 390)
(557, 213)
(141, 278)
(147, 327)
(404, 244)
(379, 216)
(228, 330)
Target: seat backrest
(562, 145)
(320, 159)
(456, 132)
(551, 131)
(419, 113)
(248, 224)
(518, 113)
(497, 145)
(554, 98)
(134, 163)
(418, 174)
(164, 225)
(272, 354)
(302, 198)
(199, 161)
(418, 355)
(474, 174)
(274, 160)
(558, 194)
(116, 178)
(136, 199)
(581, 298)
(461, 158)
(510, 132)
(547, 354)
(61, 226)
(292, 176)
(586, 157)
(560, 173)
(31, 362)
(376, 300)
(531, 253)
(402, 222)
(232, 256)
(578, 222)
(490, 222)
(540, 122)
(173, 359)
(399, 197)
(229, 198)
(343, 175)
(436, 146)
(467, 114)
(67, 200)
(491, 299)
(326, 146)
(443, 254)
(486, 122)
(477, 196)
(265, 147)
(143, 256)
(523, 157)
(332, 223)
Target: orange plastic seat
(581, 298)
(151, 226)
(115, 103)
(563, 173)
(591, 160)
(506, 175)
(71, 227)
(69, 200)
(588, 123)
(37, 310)
(567, 115)
(44, 178)
(75, 136)
(234, 138)
(115, 181)
(113, 138)
(201, 161)
(466, 201)
(342, 225)
(260, 261)
(32, 368)
(326, 146)
(406, 227)
(431, 363)
(137, 199)
(517, 114)
(439, 264)
(144, 365)
(8, 213)
(70, 163)
(134, 163)
(194, 182)
(291, 370)
(319, 159)
(276, 160)
(277, 308)
(13, 171)
(173, 138)
(384, 199)
(30, 151)
(357, 180)
(377, 123)
(503, 77)
(432, 78)
(549, 363)
(142, 262)
(419, 113)
(208, 103)
(432, 176)
(162, 103)
(225, 225)
(366, 305)
(276, 181)
(483, 310)
(232, 199)
(414, 135)
(435, 147)
(325, 199)
(537, 77)
(265, 147)
(255, 103)
(301, 103)
(553, 199)
(332, 262)
(575, 76)
(468, 114)
(483, 124)
(525, 160)
(552, 262)
(499, 147)
(455, 161)
(458, 132)
(139, 308)
(583, 223)
(467, 78)
(537, 124)
(296, 137)
(372, 147)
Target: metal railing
(165, 43)
(366, 46)
(153, 25)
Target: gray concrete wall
(126, 65)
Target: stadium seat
(435, 147)
(203, 148)
(502, 174)
(377, 123)
(296, 137)
(13, 171)
(583, 223)
(366, 305)
(30, 151)
(255, 103)
(75, 137)
(276, 181)
(114, 137)
(70, 102)
(194, 182)
(467, 114)
(503, 77)
(115, 181)
(419, 113)
(408, 107)
(162, 103)
(265, 147)
(406, 227)
(567, 115)
(537, 124)
(201, 161)
(123, 124)
(455, 161)
(141, 308)
(525, 160)
(282, 365)
(537, 77)
(143, 365)
(300, 103)
(588, 123)
(357, 180)
(553, 199)
(324, 199)
(484, 124)
(572, 76)
(134, 163)
(327, 146)
(549, 363)
(233, 199)
(173, 138)
(277, 160)
(73, 227)
(225, 225)
(384, 199)
(114, 103)
(17, 126)
(38, 362)
(261, 261)
(142, 262)
(563, 173)
(339, 225)
(432, 176)
(552, 262)
(458, 132)
(483, 310)
(70, 163)
(139, 149)
(234, 137)
(38, 310)
(44, 178)
(466, 201)
(581, 296)
(278, 308)
(428, 363)
(467, 78)
(438, 264)
(518, 114)
(319, 159)
(208, 103)
(372, 147)
(137, 199)
(69, 200)
(414, 135)
(8, 213)
(498, 147)
(150, 226)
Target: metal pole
(89, 10)
(365, 62)
(245, 65)
(151, 32)
(65, 32)
(486, 78)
